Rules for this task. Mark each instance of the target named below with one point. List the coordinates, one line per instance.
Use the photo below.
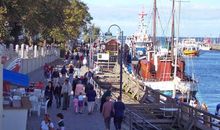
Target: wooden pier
(148, 109)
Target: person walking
(66, 92)
(118, 108)
(88, 75)
(63, 71)
(81, 102)
(76, 104)
(47, 124)
(74, 83)
(51, 69)
(49, 93)
(55, 76)
(60, 121)
(103, 98)
(91, 96)
(106, 112)
(70, 73)
(77, 57)
(78, 67)
(57, 94)
(46, 71)
(62, 79)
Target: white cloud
(198, 17)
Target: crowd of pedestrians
(70, 89)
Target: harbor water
(206, 69)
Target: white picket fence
(30, 65)
(30, 58)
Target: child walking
(81, 102)
(76, 104)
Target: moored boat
(163, 72)
(189, 47)
(205, 47)
(140, 42)
(190, 51)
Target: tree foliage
(57, 19)
(76, 16)
(3, 29)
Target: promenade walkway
(72, 121)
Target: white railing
(30, 57)
(100, 91)
(97, 88)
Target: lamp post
(121, 56)
(90, 48)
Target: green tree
(3, 30)
(76, 18)
(57, 19)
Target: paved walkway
(72, 121)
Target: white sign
(103, 56)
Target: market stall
(15, 101)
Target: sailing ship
(165, 73)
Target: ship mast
(154, 24)
(172, 32)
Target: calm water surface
(206, 68)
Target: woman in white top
(46, 124)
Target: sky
(199, 18)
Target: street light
(121, 33)
(90, 47)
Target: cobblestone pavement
(72, 121)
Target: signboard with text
(103, 56)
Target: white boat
(205, 47)
(189, 47)
(140, 41)
(156, 69)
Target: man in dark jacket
(91, 94)
(57, 94)
(48, 93)
(119, 108)
(63, 70)
(75, 81)
(55, 76)
(88, 75)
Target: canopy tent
(15, 78)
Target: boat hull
(191, 52)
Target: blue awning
(15, 78)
